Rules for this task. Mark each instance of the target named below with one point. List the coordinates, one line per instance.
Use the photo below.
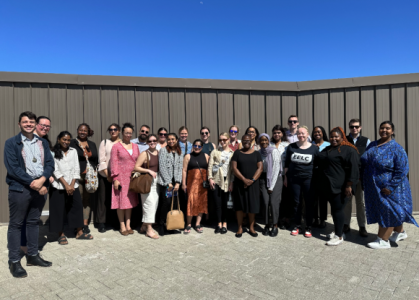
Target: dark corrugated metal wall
(99, 106)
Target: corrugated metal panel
(367, 113)
(58, 110)
(321, 109)
(75, 108)
(92, 111)
(241, 111)
(225, 111)
(209, 112)
(382, 105)
(177, 109)
(398, 111)
(22, 98)
(144, 108)
(273, 111)
(40, 105)
(352, 106)
(289, 106)
(193, 113)
(126, 104)
(109, 108)
(305, 110)
(8, 122)
(257, 111)
(413, 141)
(160, 109)
(337, 109)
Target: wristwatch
(253, 179)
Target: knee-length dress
(386, 166)
(246, 199)
(197, 194)
(122, 164)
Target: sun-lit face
(264, 142)
(27, 125)
(302, 134)
(43, 127)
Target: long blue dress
(386, 166)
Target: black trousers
(164, 206)
(62, 206)
(320, 207)
(220, 203)
(103, 212)
(303, 186)
(273, 200)
(337, 204)
(286, 208)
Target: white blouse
(67, 167)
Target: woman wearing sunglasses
(194, 175)
(234, 133)
(208, 147)
(149, 201)
(161, 138)
(220, 177)
(103, 210)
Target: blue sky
(228, 39)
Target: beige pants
(360, 207)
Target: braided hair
(345, 142)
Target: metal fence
(166, 102)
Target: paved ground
(210, 266)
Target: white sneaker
(398, 236)
(331, 235)
(335, 240)
(379, 244)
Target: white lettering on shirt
(301, 158)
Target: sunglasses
(293, 122)
(162, 134)
(233, 131)
(152, 141)
(205, 133)
(223, 140)
(352, 127)
(144, 131)
(113, 130)
(197, 146)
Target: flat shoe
(253, 234)
(130, 231)
(123, 232)
(223, 230)
(239, 235)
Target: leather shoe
(363, 232)
(17, 270)
(266, 230)
(37, 260)
(217, 229)
(346, 228)
(223, 230)
(274, 232)
(253, 234)
(101, 228)
(239, 235)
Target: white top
(225, 156)
(130, 151)
(68, 167)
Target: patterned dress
(122, 163)
(386, 166)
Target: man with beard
(29, 165)
(141, 141)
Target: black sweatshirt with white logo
(300, 162)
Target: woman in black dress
(247, 167)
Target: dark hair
(114, 124)
(178, 150)
(257, 133)
(284, 137)
(146, 126)
(393, 136)
(355, 121)
(196, 141)
(28, 114)
(345, 141)
(127, 125)
(90, 132)
(42, 117)
(183, 128)
(58, 153)
(161, 129)
(205, 127)
(45, 137)
(150, 135)
(323, 132)
(292, 116)
(246, 135)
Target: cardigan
(93, 160)
(169, 167)
(105, 149)
(215, 159)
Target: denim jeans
(28, 203)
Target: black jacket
(361, 143)
(82, 159)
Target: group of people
(286, 178)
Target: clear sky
(218, 39)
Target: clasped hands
(38, 185)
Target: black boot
(17, 270)
(37, 260)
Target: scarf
(267, 152)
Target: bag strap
(82, 148)
(178, 204)
(173, 199)
(200, 172)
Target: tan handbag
(175, 218)
(141, 182)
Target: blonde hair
(225, 134)
(303, 126)
(238, 129)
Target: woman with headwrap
(339, 162)
(270, 183)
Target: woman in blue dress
(388, 199)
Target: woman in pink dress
(123, 157)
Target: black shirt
(339, 168)
(300, 161)
(82, 159)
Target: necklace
(34, 158)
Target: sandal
(187, 230)
(84, 236)
(62, 240)
(154, 237)
(199, 229)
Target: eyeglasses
(352, 127)
(162, 134)
(45, 126)
(205, 133)
(144, 131)
(128, 133)
(223, 140)
(233, 131)
(113, 129)
(152, 141)
(197, 146)
(293, 122)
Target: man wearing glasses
(361, 142)
(141, 141)
(292, 132)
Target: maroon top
(154, 162)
